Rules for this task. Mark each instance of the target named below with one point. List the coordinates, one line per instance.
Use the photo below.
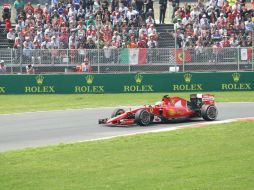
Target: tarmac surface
(35, 129)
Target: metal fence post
(98, 64)
(118, 56)
(183, 57)
(174, 54)
(68, 58)
(238, 58)
(11, 61)
(252, 51)
(20, 60)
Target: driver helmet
(158, 103)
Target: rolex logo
(138, 78)
(89, 79)
(39, 79)
(236, 77)
(187, 77)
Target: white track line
(170, 129)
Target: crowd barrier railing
(114, 60)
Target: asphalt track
(53, 127)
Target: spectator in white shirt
(131, 12)
(11, 37)
(2, 67)
(149, 20)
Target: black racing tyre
(117, 112)
(151, 117)
(209, 112)
(142, 117)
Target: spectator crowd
(78, 24)
(214, 23)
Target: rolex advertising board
(126, 83)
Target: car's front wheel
(142, 117)
(209, 112)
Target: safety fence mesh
(114, 60)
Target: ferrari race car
(170, 108)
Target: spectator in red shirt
(38, 10)
(8, 25)
(29, 8)
(225, 42)
(142, 43)
(85, 67)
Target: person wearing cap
(85, 67)
(30, 69)
(46, 8)
(221, 20)
(150, 13)
(89, 21)
(178, 24)
(2, 67)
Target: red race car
(170, 108)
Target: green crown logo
(39, 79)
(236, 77)
(187, 77)
(89, 79)
(138, 78)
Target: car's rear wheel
(117, 112)
(209, 112)
(142, 117)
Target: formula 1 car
(170, 108)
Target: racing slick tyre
(209, 112)
(151, 118)
(117, 112)
(142, 117)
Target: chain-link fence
(113, 60)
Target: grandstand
(126, 37)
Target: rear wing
(207, 99)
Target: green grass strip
(214, 157)
(27, 103)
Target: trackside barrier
(126, 83)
